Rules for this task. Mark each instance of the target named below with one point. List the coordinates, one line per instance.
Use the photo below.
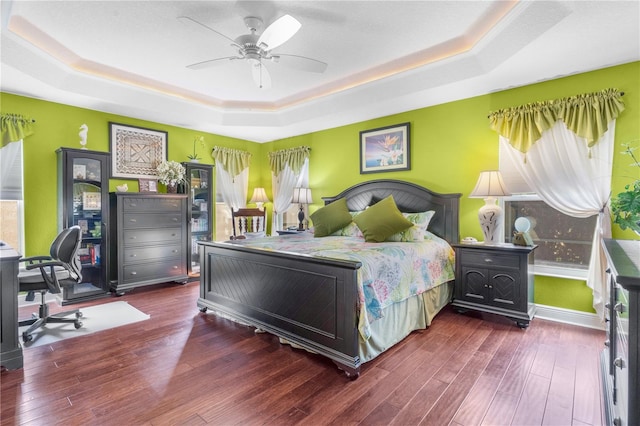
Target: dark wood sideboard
(620, 360)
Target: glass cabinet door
(83, 200)
(199, 186)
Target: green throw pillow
(381, 220)
(330, 218)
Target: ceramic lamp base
(490, 216)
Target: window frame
(568, 272)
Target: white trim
(560, 272)
(569, 316)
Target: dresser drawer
(155, 204)
(171, 268)
(141, 254)
(149, 236)
(146, 220)
(488, 259)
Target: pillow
(330, 218)
(381, 220)
(351, 230)
(417, 231)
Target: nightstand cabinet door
(496, 279)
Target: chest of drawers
(620, 360)
(150, 236)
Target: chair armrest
(34, 259)
(42, 265)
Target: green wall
(450, 144)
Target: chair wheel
(78, 314)
(203, 310)
(77, 324)
(26, 337)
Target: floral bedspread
(391, 272)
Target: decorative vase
(172, 189)
(194, 160)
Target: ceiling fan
(257, 49)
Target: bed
(312, 301)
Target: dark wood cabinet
(497, 279)
(10, 349)
(150, 240)
(83, 200)
(199, 189)
(620, 360)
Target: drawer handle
(132, 220)
(134, 273)
(173, 235)
(175, 267)
(175, 219)
(175, 251)
(134, 255)
(619, 307)
(133, 238)
(619, 362)
(488, 260)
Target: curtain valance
(295, 157)
(587, 115)
(234, 161)
(15, 127)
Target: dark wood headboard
(410, 198)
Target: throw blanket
(391, 272)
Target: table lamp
(490, 185)
(259, 197)
(301, 196)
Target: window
(564, 242)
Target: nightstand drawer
(487, 259)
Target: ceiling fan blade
(301, 63)
(279, 32)
(261, 75)
(211, 63)
(192, 22)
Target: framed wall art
(385, 149)
(136, 151)
(148, 185)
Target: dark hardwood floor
(188, 368)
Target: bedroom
(461, 153)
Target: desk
(10, 349)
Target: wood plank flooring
(183, 367)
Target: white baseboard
(568, 316)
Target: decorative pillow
(351, 230)
(381, 220)
(330, 218)
(417, 231)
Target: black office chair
(48, 274)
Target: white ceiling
(384, 57)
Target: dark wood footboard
(311, 302)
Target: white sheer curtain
(232, 175)
(289, 169)
(11, 171)
(282, 187)
(576, 180)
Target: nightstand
(497, 279)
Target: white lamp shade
(259, 196)
(490, 184)
(302, 196)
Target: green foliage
(626, 205)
